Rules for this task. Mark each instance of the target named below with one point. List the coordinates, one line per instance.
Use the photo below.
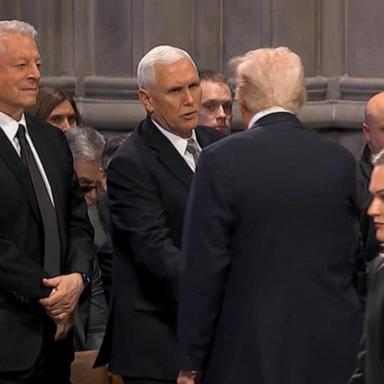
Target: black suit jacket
(371, 357)
(371, 246)
(22, 319)
(269, 241)
(148, 184)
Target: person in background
(105, 251)
(86, 145)
(57, 108)
(148, 183)
(46, 241)
(216, 101)
(373, 134)
(371, 364)
(267, 293)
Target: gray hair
(162, 54)
(86, 144)
(378, 158)
(270, 77)
(16, 27)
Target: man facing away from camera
(267, 293)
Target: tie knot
(192, 146)
(20, 134)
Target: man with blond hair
(267, 292)
(46, 244)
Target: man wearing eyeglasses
(86, 145)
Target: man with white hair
(267, 294)
(148, 184)
(46, 245)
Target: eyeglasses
(87, 188)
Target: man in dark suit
(45, 235)
(148, 183)
(371, 366)
(373, 134)
(267, 293)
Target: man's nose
(220, 112)
(34, 72)
(65, 125)
(374, 207)
(188, 98)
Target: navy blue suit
(268, 291)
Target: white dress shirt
(180, 144)
(266, 112)
(10, 127)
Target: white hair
(16, 27)
(162, 54)
(86, 143)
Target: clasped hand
(62, 302)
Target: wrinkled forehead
(15, 43)
(178, 72)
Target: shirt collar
(180, 143)
(10, 125)
(266, 112)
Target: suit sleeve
(139, 225)
(208, 227)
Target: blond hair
(269, 77)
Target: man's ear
(246, 115)
(242, 106)
(145, 99)
(365, 128)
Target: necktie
(47, 210)
(193, 149)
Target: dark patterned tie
(47, 210)
(193, 149)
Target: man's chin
(222, 128)
(29, 101)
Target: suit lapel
(166, 152)
(13, 161)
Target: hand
(189, 377)
(63, 327)
(61, 303)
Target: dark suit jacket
(148, 184)
(371, 357)
(371, 246)
(22, 319)
(268, 294)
